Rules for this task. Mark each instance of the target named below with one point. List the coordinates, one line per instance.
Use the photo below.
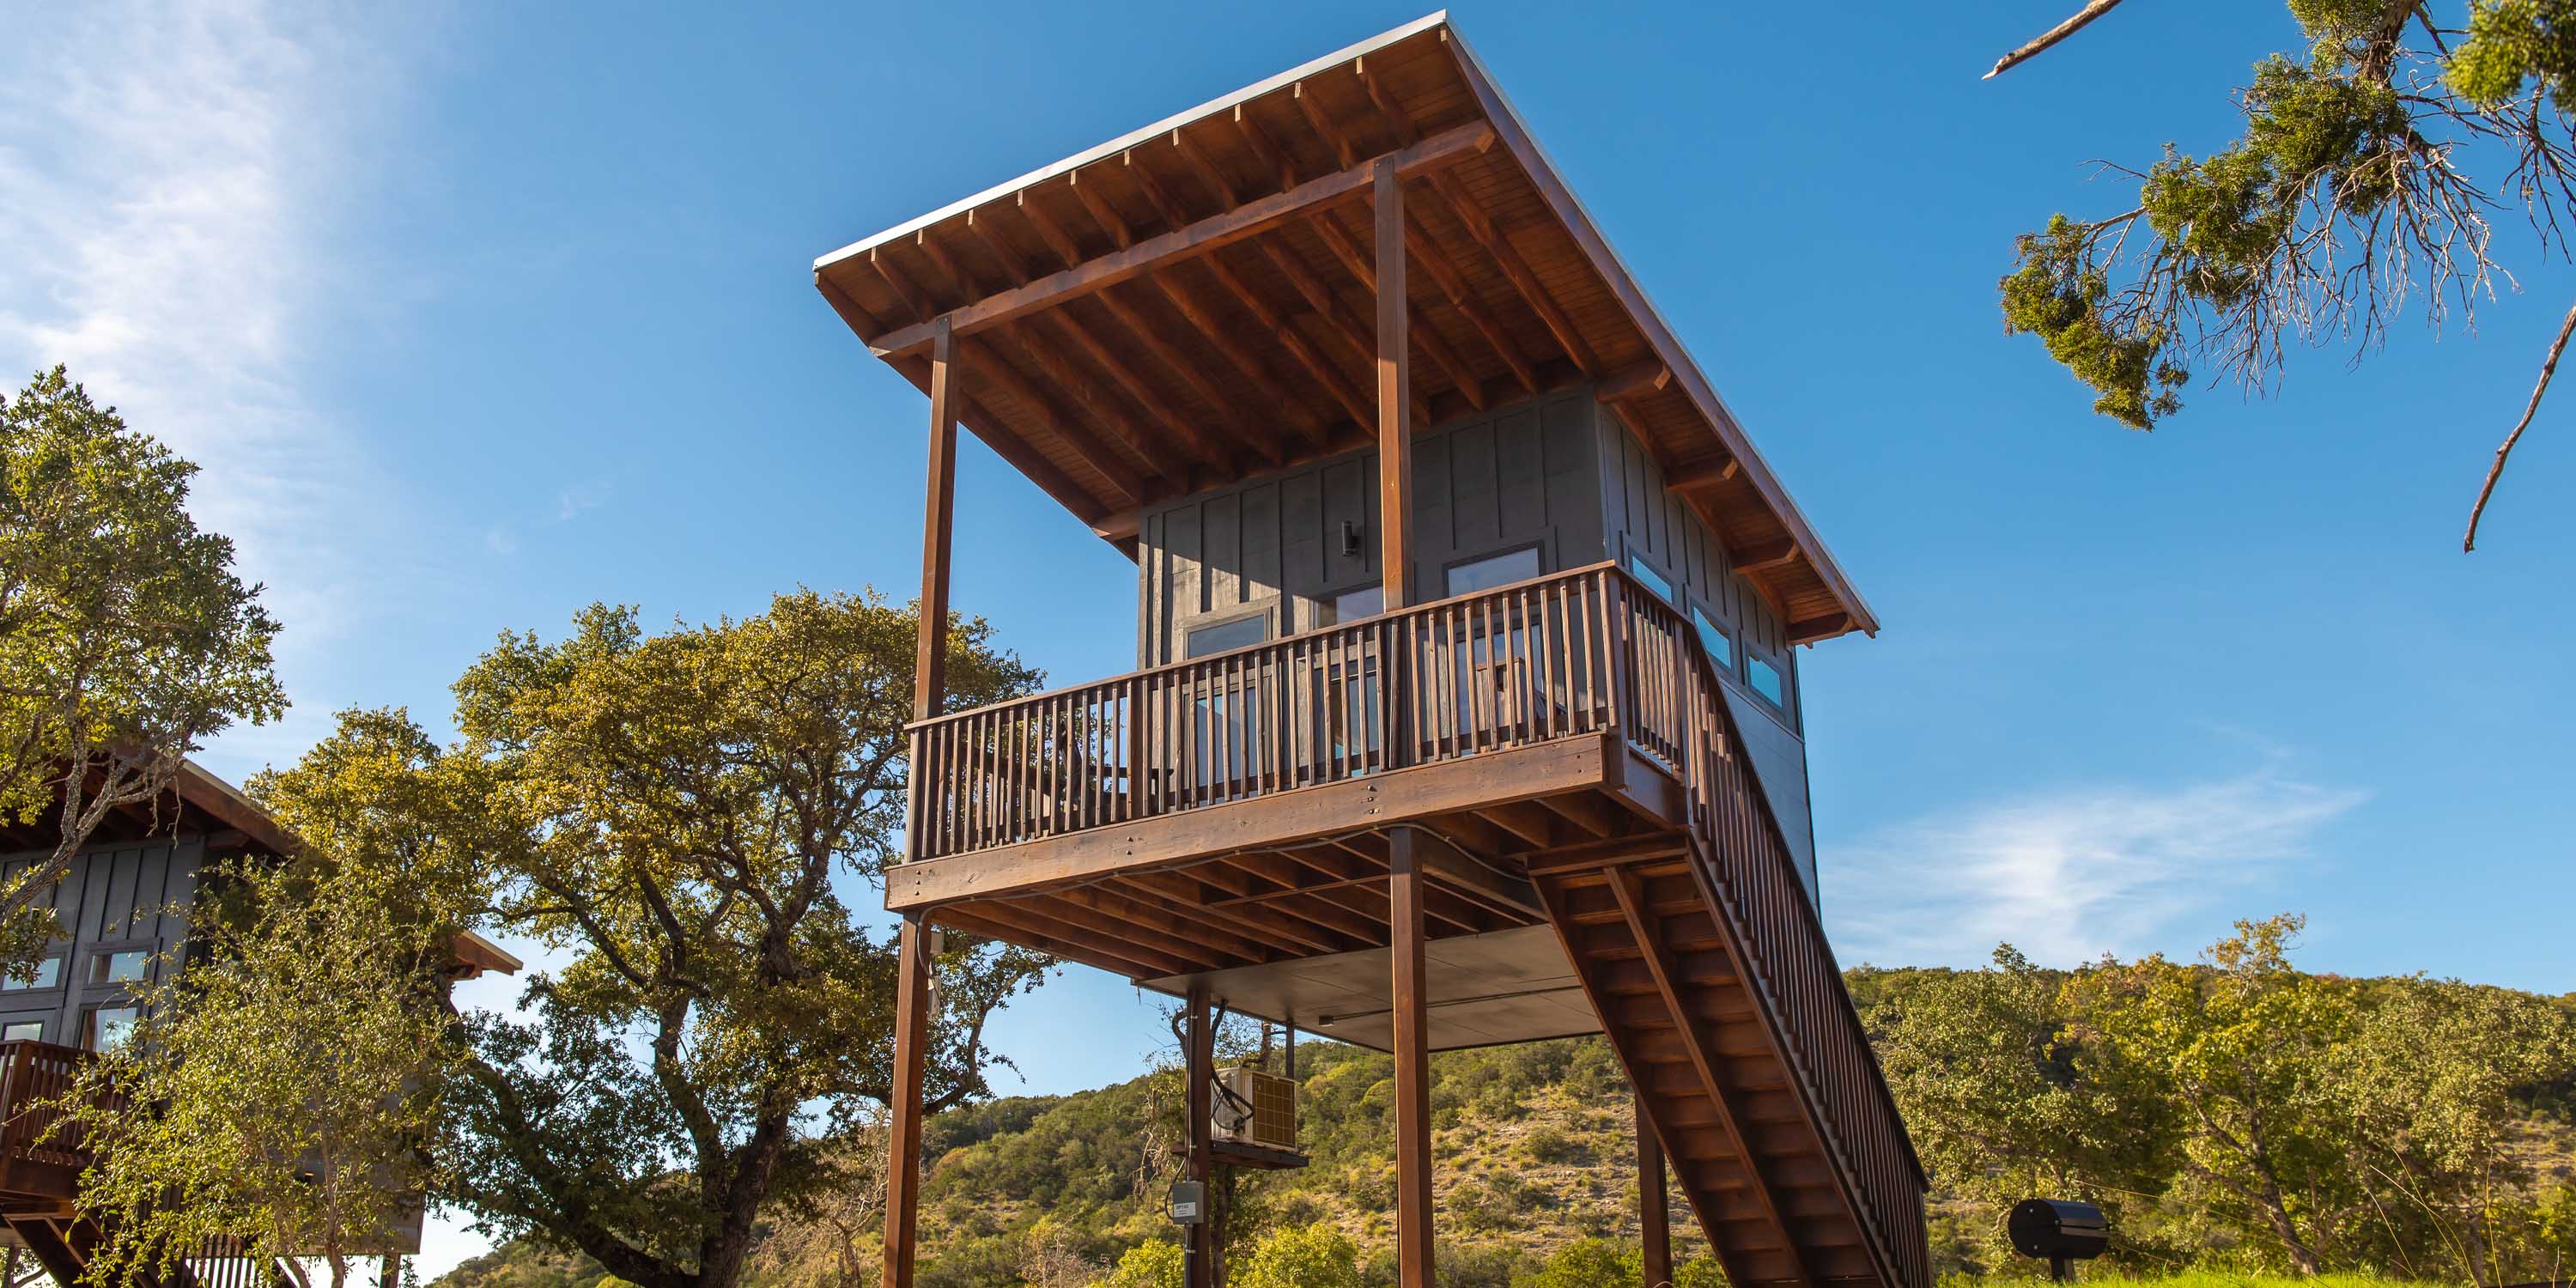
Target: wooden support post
(930, 662)
(1654, 1219)
(903, 1135)
(1200, 1266)
(1394, 397)
(1405, 892)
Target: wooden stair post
(1654, 1221)
(1412, 1063)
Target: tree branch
(2548, 368)
(2053, 35)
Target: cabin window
(1491, 571)
(1655, 581)
(1713, 637)
(1352, 605)
(108, 1027)
(23, 1031)
(121, 967)
(1767, 682)
(1242, 632)
(49, 973)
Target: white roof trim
(1129, 140)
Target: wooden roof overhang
(196, 801)
(1194, 303)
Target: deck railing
(1515, 665)
(33, 1077)
(1578, 652)
(1773, 923)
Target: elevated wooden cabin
(124, 909)
(1467, 707)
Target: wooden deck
(1559, 753)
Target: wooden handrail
(1771, 921)
(33, 1076)
(1526, 662)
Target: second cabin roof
(1194, 303)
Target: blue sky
(475, 315)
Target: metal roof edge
(1361, 49)
(1679, 356)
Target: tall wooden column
(903, 1132)
(1196, 1066)
(929, 680)
(1412, 1063)
(1654, 1219)
(1394, 396)
(938, 514)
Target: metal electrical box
(1255, 1108)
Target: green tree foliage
(2238, 1112)
(2003, 1101)
(125, 638)
(2347, 195)
(281, 1091)
(684, 817)
(1155, 1263)
(1309, 1256)
(2245, 1050)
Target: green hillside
(1533, 1154)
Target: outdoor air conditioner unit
(1255, 1108)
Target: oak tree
(2376, 165)
(126, 638)
(692, 819)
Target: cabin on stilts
(123, 910)
(1466, 707)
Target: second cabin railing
(1516, 665)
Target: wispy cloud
(168, 177)
(2073, 873)
(587, 495)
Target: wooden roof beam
(1048, 230)
(1014, 263)
(1462, 207)
(1102, 213)
(1106, 406)
(1337, 239)
(1825, 627)
(1195, 240)
(1133, 382)
(1444, 273)
(1263, 146)
(1294, 341)
(1190, 372)
(1026, 459)
(1322, 124)
(1766, 554)
(1338, 321)
(1398, 121)
(910, 291)
(1634, 381)
(1700, 478)
(983, 362)
(1194, 308)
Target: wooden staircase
(1703, 956)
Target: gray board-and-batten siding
(125, 897)
(1560, 474)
